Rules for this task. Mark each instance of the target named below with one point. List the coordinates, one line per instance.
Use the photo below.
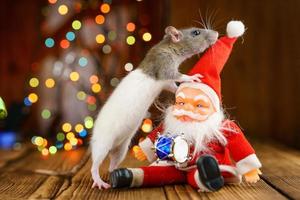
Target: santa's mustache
(180, 112)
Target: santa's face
(192, 105)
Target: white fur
(235, 29)
(199, 133)
(120, 118)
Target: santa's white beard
(199, 133)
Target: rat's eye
(180, 103)
(195, 33)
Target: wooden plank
(80, 187)
(281, 168)
(19, 179)
(19, 185)
(7, 156)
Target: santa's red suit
(237, 157)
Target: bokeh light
(38, 141)
(100, 38)
(88, 122)
(128, 67)
(68, 146)
(27, 102)
(45, 152)
(70, 36)
(64, 44)
(112, 35)
(52, 1)
(114, 82)
(130, 27)
(76, 24)
(63, 9)
(33, 98)
(34, 82)
(83, 61)
(66, 127)
(81, 95)
(94, 79)
(147, 36)
(105, 8)
(49, 42)
(99, 19)
(106, 49)
(79, 128)
(96, 88)
(147, 128)
(70, 135)
(60, 136)
(83, 133)
(50, 83)
(91, 100)
(46, 114)
(130, 40)
(73, 141)
(74, 76)
(52, 150)
(92, 107)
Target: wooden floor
(20, 178)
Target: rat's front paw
(193, 78)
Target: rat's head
(190, 41)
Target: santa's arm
(147, 144)
(240, 149)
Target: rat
(123, 112)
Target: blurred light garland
(72, 135)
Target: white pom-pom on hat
(235, 29)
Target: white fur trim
(237, 178)
(138, 177)
(201, 187)
(212, 95)
(247, 164)
(146, 145)
(235, 29)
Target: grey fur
(163, 60)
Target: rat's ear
(175, 34)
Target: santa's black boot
(209, 173)
(121, 178)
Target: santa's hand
(252, 176)
(193, 78)
(138, 153)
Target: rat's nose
(212, 36)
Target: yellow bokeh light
(63, 9)
(78, 128)
(96, 87)
(67, 146)
(76, 24)
(66, 127)
(105, 8)
(147, 37)
(34, 82)
(147, 128)
(99, 19)
(130, 40)
(73, 141)
(100, 38)
(50, 83)
(33, 98)
(39, 141)
(74, 76)
(52, 150)
(70, 135)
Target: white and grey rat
(123, 112)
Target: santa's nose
(188, 107)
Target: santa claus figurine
(220, 153)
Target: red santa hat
(212, 62)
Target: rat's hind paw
(100, 184)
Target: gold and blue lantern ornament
(3, 112)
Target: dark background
(261, 80)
